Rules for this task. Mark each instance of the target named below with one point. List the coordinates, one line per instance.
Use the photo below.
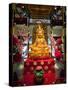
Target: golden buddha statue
(39, 48)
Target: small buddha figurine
(39, 48)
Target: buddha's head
(39, 31)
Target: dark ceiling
(38, 11)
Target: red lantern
(58, 54)
(59, 41)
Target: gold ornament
(46, 67)
(42, 63)
(49, 62)
(35, 63)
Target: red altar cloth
(49, 76)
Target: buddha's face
(40, 32)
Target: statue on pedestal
(39, 48)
